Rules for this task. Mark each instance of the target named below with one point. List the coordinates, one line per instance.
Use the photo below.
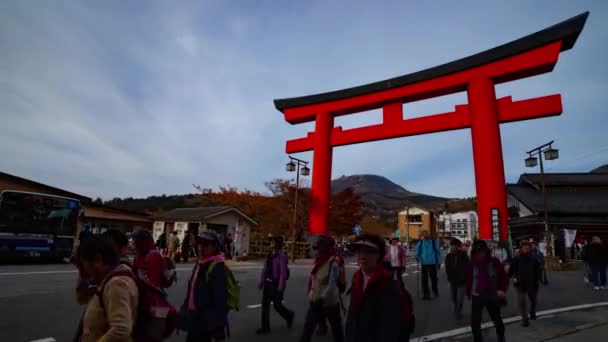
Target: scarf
(201, 261)
(358, 291)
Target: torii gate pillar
(321, 174)
(487, 158)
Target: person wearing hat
(325, 283)
(205, 303)
(395, 258)
(456, 264)
(486, 287)
(273, 281)
(376, 312)
(526, 272)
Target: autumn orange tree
(274, 212)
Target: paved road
(37, 302)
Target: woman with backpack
(325, 284)
(377, 311)
(110, 314)
(205, 306)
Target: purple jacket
(279, 271)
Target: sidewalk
(583, 325)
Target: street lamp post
(550, 154)
(294, 165)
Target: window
(414, 218)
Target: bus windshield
(26, 213)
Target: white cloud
(115, 102)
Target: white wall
(468, 229)
(234, 222)
(159, 227)
(514, 202)
(413, 211)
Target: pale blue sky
(115, 98)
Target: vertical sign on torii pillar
(477, 75)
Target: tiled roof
(566, 179)
(197, 214)
(572, 200)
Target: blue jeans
(598, 275)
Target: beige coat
(115, 323)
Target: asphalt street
(37, 302)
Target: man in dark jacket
(595, 255)
(207, 292)
(486, 286)
(526, 273)
(456, 264)
(376, 312)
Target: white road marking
(179, 269)
(48, 339)
(541, 314)
(36, 272)
(254, 306)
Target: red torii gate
(477, 74)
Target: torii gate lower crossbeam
(477, 75)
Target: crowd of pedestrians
(127, 301)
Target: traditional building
(574, 201)
(226, 220)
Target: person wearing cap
(376, 312)
(429, 256)
(326, 282)
(486, 286)
(205, 303)
(273, 281)
(456, 264)
(526, 273)
(395, 258)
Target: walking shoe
(533, 316)
(262, 331)
(525, 323)
(596, 288)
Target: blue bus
(37, 225)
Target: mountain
(383, 198)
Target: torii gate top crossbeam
(528, 56)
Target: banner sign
(569, 237)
